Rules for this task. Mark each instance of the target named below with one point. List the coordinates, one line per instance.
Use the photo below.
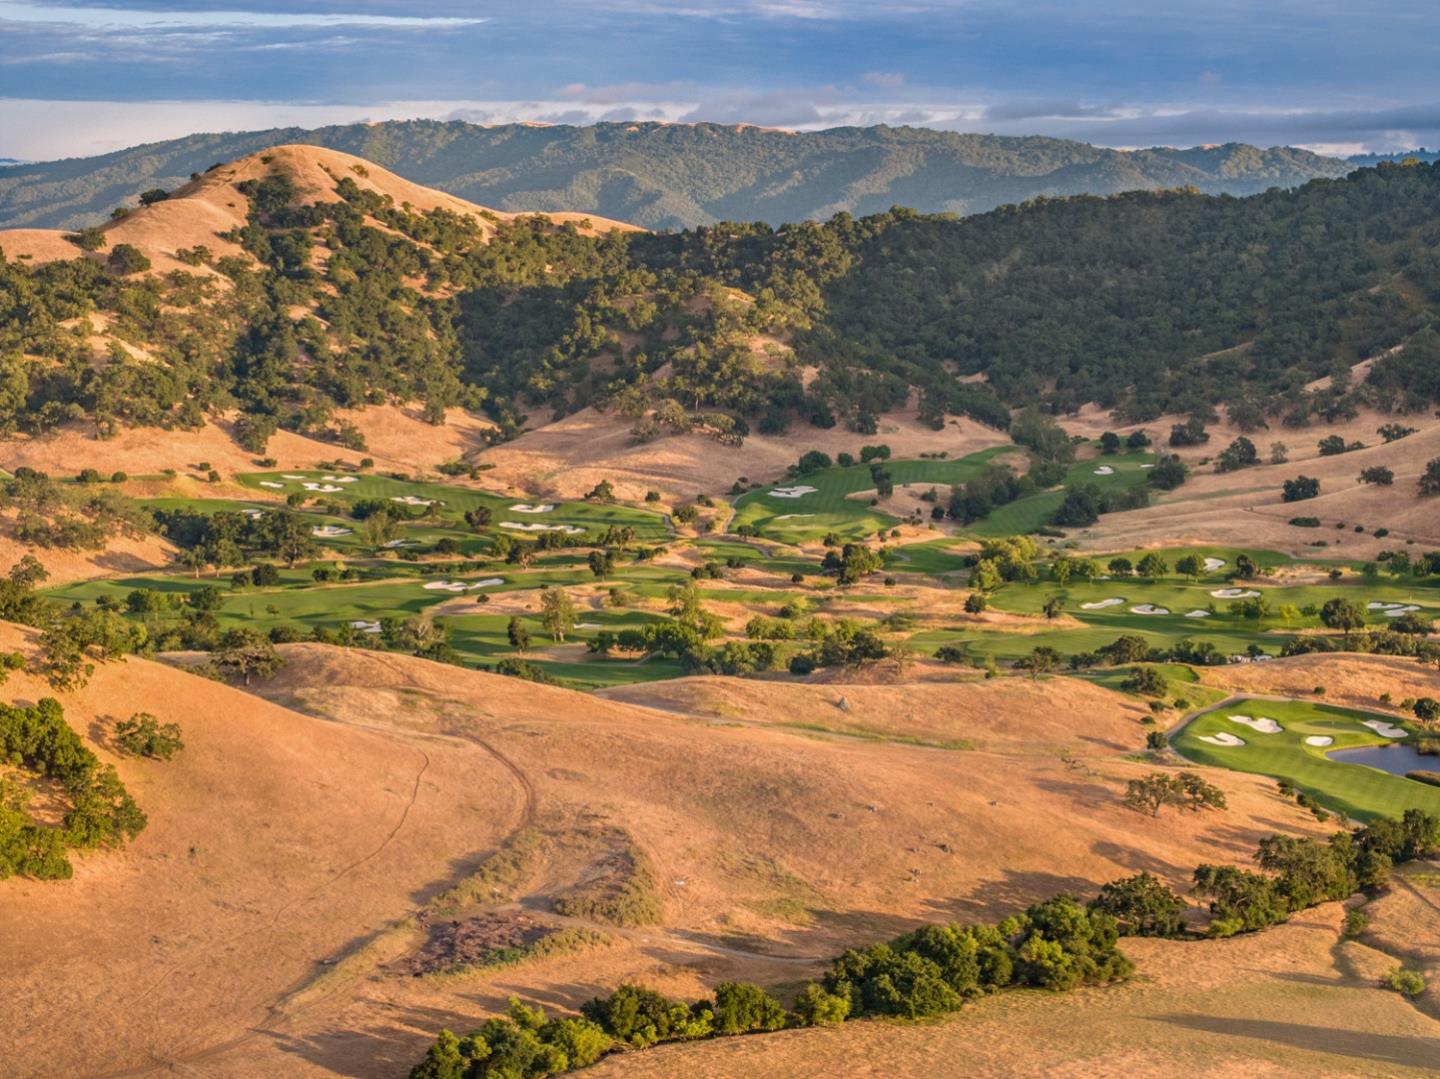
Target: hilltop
(677, 175)
(210, 204)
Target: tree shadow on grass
(1356, 1044)
(1137, 860)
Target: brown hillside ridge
(567, 458)
(1245, 508)
(197, 212)
(274, 916)
(395, 437)
(1293, 1002)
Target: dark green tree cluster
(99, 810)
(432, 308)
(1299, 872)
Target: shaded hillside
(677, 176)
(304, 281)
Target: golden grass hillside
(275, 841)
(1293, 1001)
(197, 212)
(311, 854)
(770, 845)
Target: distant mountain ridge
(677, 175)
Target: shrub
(142, 735)
(126, 259)
(91, 239)
(1408, 983)
(1300, 488)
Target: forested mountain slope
(326, 288)
(677, 175)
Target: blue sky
(83, 78)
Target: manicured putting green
(1355, 790)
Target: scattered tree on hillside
(126, 259)
(1169, 472)
(142, 735)
(1190, 433)
(1153, 566)
(1185, 791)
(1142, 906)
(1342, 614)
(244, 654)
(557, 612)
(1300, 488)
(1430, 478)
(1239, 454)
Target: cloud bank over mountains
(83, 78)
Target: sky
(1339, 77)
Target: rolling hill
(677, 176)
(290, 908)
(299, 281)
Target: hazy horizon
(78, 79)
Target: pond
(1395, 759)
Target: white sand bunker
(587, 625)
(341, 479)
(1224, 738)
(525, 507)
(1101, 604)
(1212, 564)
(1147, 466)
(1378, 605)
(1234, 593)
(1319, 740)
(1383, 729)
(461, 586)
(252, 514)
(1197, 613)
(798, 491)
(412, 500)
(395, 543)
(792, 516)
(272, 485)
(366, 627)
(293, 476)
(329, 531)
(1149, 608)
(323, 488)
(1104, 470)
(1396, 612)
(1257, 723)
(517, 526)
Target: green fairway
(828, 508)
(1357, 791)
(1094, 602)
(450, 502)
(1025, 515)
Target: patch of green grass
(454, 501)
(1026, 514)
(1355, 790)
(829, 509)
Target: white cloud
(38, 130)
(887, 79)
(134, 18)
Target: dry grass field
(272, 914)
